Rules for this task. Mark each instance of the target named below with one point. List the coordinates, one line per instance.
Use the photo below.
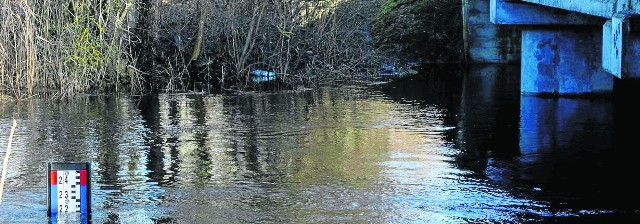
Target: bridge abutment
(563, 61)
(486, 42)
(572, 47)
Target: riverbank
(110, 46)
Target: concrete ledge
(601, 8)
(519, 13)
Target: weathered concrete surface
(486, 42)
(563, 61)
(519, 13)
(620, 48)
(602, 8)
(612, 48)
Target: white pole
(5, 163)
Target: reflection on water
(438, 148)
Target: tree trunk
(198, 47)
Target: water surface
(440, 147)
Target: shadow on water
(481, 102)
(149, 107)
(448, 145)
(488, 127)
(573, 154)
(569, 152)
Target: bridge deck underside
(602, 8)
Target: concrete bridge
(565, 47)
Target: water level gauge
(69, 188)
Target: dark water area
(446, 146)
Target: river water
(445, 146)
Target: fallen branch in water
(5, 163)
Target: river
(445, 146)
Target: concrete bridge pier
(568, 47)
(563, 61)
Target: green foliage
(388, 7)
(87, 50)
(64, 46)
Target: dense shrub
(300, 40)
(82, 45)
(429, 30)
(72, 46)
